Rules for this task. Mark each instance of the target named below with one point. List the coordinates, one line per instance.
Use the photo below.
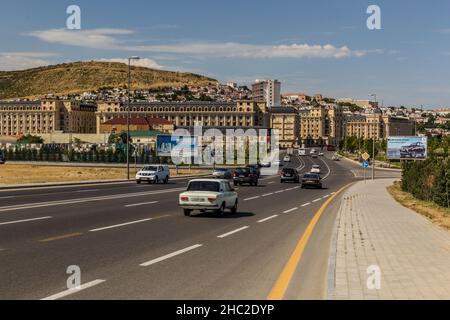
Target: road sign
(365, 156)
(365, 164)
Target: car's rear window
(204, 186)
(242, 170)
(288, 170)
(310, 176)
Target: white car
(315, 169)
(321, 154)
(209, 195)
(153, 174)
(287, 159)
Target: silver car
(222, 173)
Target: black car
(415, 150)
(312, 180)
(245, 176)
(289, 174)
(2, 159)
(256, 167)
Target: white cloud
(110, 39)
(93, 38)
(143, 62)
(10, 61)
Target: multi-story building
(207, 114)
(286, 120)
(46, 116)
(322, 125)
(268, 91)
(378, 126)
(118, 125)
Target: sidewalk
(373, 229)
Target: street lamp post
(128, 114)
(373, 142)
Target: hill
(79, 77)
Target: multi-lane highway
(133, 242)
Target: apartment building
(378, 126)
(286, 120)
(186, 114)
(46, 116)
(268, 91)
(322, 125)
(118, 125)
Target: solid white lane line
(267, 194)
(232, 232)
(9, 197)
(267, 219)
(279, 191)
(317, 200)
(121, 225)
(297, 187)
(92, 190)
(290, 210)
(75, 290)
(327, 196)
(306, 204)
(170, 255)
(26, 220)
(84, 200)
(271, 182)
(140, 204)
(252, 198)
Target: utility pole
(373, 142)
(128, 114)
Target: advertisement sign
(407, 148)
(165, 143)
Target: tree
(30, 139)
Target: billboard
(407, 148)
(165, 143)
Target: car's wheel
(156, 180)
(166, 180)
(235, 184)
(256, 183)
(187, 212)
(235, 208)
(281, 181)
(221, 211)
(138, 181)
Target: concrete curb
(86, 183)
(376, 168)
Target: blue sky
(311, 46)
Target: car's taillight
(184, 198)
(212, 199)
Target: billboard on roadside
(165, 143)
(407, 148)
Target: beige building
(287, 121)
(268, 91)
(322, 125)
(118, 125)
(207, 114)
(378, 126)
(46, 116)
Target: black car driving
(245, 176)
(289, 174)
(312, 180)
(2, 158)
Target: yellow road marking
(283, 281)
(65, 236)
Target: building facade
(378, 126)
(268, 91)
(186, 114)
(322, 125)
(118, 125)
(46, 116)
(286, 120)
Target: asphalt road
(133, 242)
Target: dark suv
(415, 150)
(289, 174)
(245, 176)
(311, 180)
(2, 158)
(256, 167)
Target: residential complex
(47, 116)
(287, 122)
(268, 91)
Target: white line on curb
(75, 290)
(170, 255)
(232, 232)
